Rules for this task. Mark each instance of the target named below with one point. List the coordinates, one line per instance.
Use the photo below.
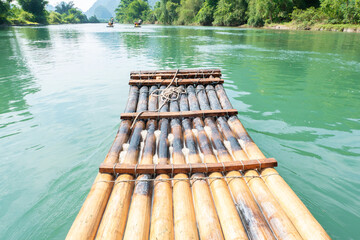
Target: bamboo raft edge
(227, 188)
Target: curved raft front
(182, 166)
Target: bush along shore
(334, 15)
(33, 12)
(351, 28)
(331, 15)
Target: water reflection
(38, 37)
(16, 81)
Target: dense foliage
(67, 13)
(4, 10)
(33, 11)
(132, 10)
(238, 12)
(36, 8)
(64, 7)
(201, 12)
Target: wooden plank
(186, 114)
(179, 81)
(172, 71)
(187, 168)
(178, 75)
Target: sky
(84, 5)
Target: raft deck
(182, 166)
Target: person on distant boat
(137, 24)
(111, 22)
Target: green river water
(62, 89)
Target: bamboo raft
(182, 166)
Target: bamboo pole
(113, 222)
(205, 212)
(184, 213)
(252, 218)
(162, 226)
(87, 221)
(190, 141)
(276, 217)
(300, 216)
(229, 218)
(138, 222)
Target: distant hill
(105, 9)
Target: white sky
(84, 5)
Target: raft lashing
(182, 166)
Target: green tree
(74, 16)
(231, 12)
(188, 9)
(205, 16)
(121, 10)
(131, 10)
(136, 10)
(35, 7)
(64, 7)
(166, 11)
(4, 10)
(341, 11)
(261, 11)
(54, 18)
(93, 19)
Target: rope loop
(259, 169)
(170, 93)
(114, 170)
(207, 170)
(190, 170)
(136, 169)
(222, 163)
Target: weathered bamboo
(305, 223)
(184, 213)
(276, 217)
(163, 147)
(88, 219)
(113, 222)
(190, 141)
(252, 218)
(162, 226)
(138, 222)
(226, 210)
(206, 216)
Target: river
(62, 89)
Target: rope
(170, 93)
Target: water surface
(62, 89)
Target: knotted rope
(170, 93)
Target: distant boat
(138, 24)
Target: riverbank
(316, 27)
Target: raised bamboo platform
(182, 166)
